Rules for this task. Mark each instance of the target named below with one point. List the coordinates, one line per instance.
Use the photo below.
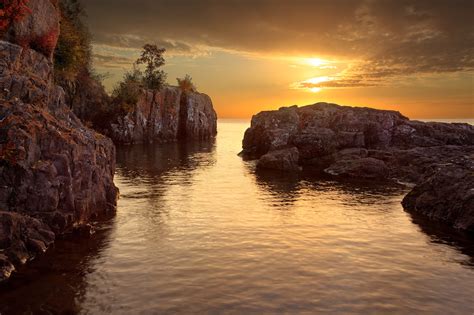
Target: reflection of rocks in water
(282, 187)
(55, 283)
(440, 233)
(286, 188)
(148, 172)
(150, 161)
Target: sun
(315, 62)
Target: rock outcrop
(55, 174)
(166, 116)
(38, 29)
(365, 143)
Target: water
(198, 231)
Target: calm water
(198, 231)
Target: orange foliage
(12, 11)
(47, 42)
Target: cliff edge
(55, 173)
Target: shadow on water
(290, 186)
(148, 172)
(55, 282)
(440, 233)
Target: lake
(197, 230)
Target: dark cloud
(137, 41)
(391, 38)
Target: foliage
(12, 11)
(45, 43)
(73, 51)
(186, 84)
(152, 58)
(127, 92)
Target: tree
(186, 84)
(12, 11)
(152, 58)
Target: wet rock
(283, 159)
(166, 116)
(447, 195)
(21, 239)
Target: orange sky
(413, 56)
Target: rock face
(55, 173)
(364, 143)
(88, 99)
(39, 29)
(166, 116)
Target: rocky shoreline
(376, 145)
(56, 175)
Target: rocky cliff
(55, 174)
(166, 116)
(365, 143)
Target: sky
(414, 56)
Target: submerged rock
(166, 115)
(55, 173)
(369, 144)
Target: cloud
(388, 38)
(111, 61)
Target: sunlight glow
(316, 62)
(311, 84)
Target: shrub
(186, 84)
(152, 58)
(127, 92)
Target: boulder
(367, 168)
(166, 115)
(447, 195)
(283, 159)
